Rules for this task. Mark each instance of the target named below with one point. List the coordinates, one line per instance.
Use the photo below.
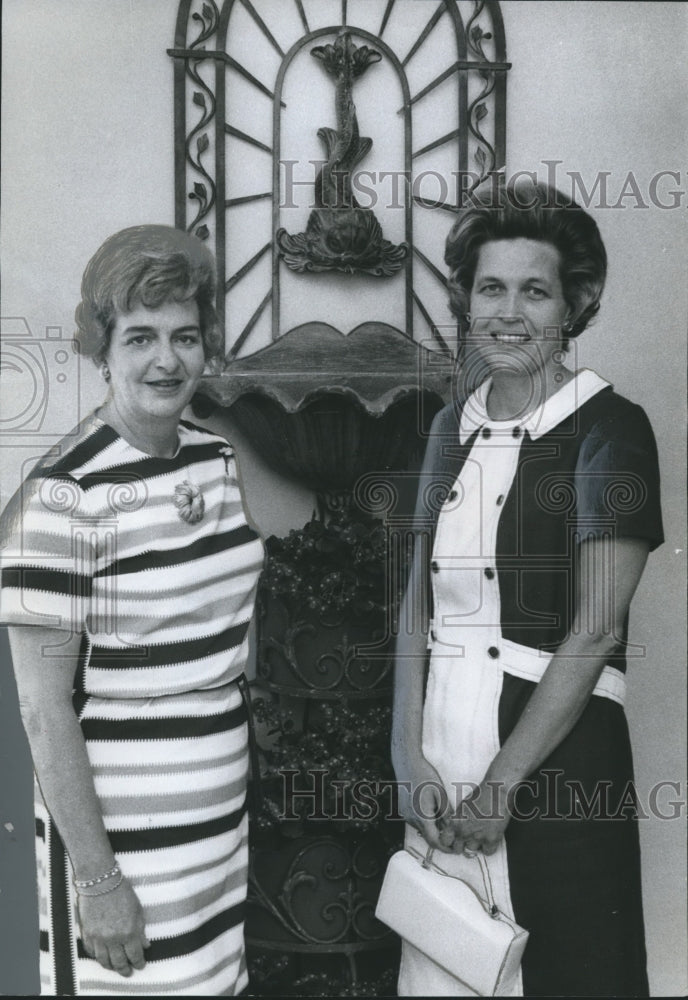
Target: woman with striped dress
(128, 580)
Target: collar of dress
(561, 404)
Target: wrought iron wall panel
(232, 63)
(417, 90)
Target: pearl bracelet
(90, 882)
(110, 887)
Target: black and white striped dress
(163, 605)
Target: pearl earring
(105, 371)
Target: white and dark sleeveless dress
(163, 602)
(517, 499)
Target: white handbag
(446, 919)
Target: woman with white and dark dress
(128, 581)
(513, 724)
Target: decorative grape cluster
(349, 743)
(269, 975)
(336, 565)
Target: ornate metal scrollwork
(478, 110)
(204, 191)
(325, 894)
(299, 656)
(330, 409)
(210, 140)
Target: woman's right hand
(113, 929)
(423, 803)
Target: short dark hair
(530, 211)
(150, 265)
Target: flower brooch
(189, 502)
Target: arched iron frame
(205, 188)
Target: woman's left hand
(113, 929)
(480, 820)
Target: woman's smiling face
(156, 358)
(517, 307)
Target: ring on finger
(468, 853)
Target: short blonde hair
(150, 265)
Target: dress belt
(528, 663)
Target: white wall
(88, 149)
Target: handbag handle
(427, 862)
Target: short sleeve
(435, 478)
(617, 479)
(47, 559)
